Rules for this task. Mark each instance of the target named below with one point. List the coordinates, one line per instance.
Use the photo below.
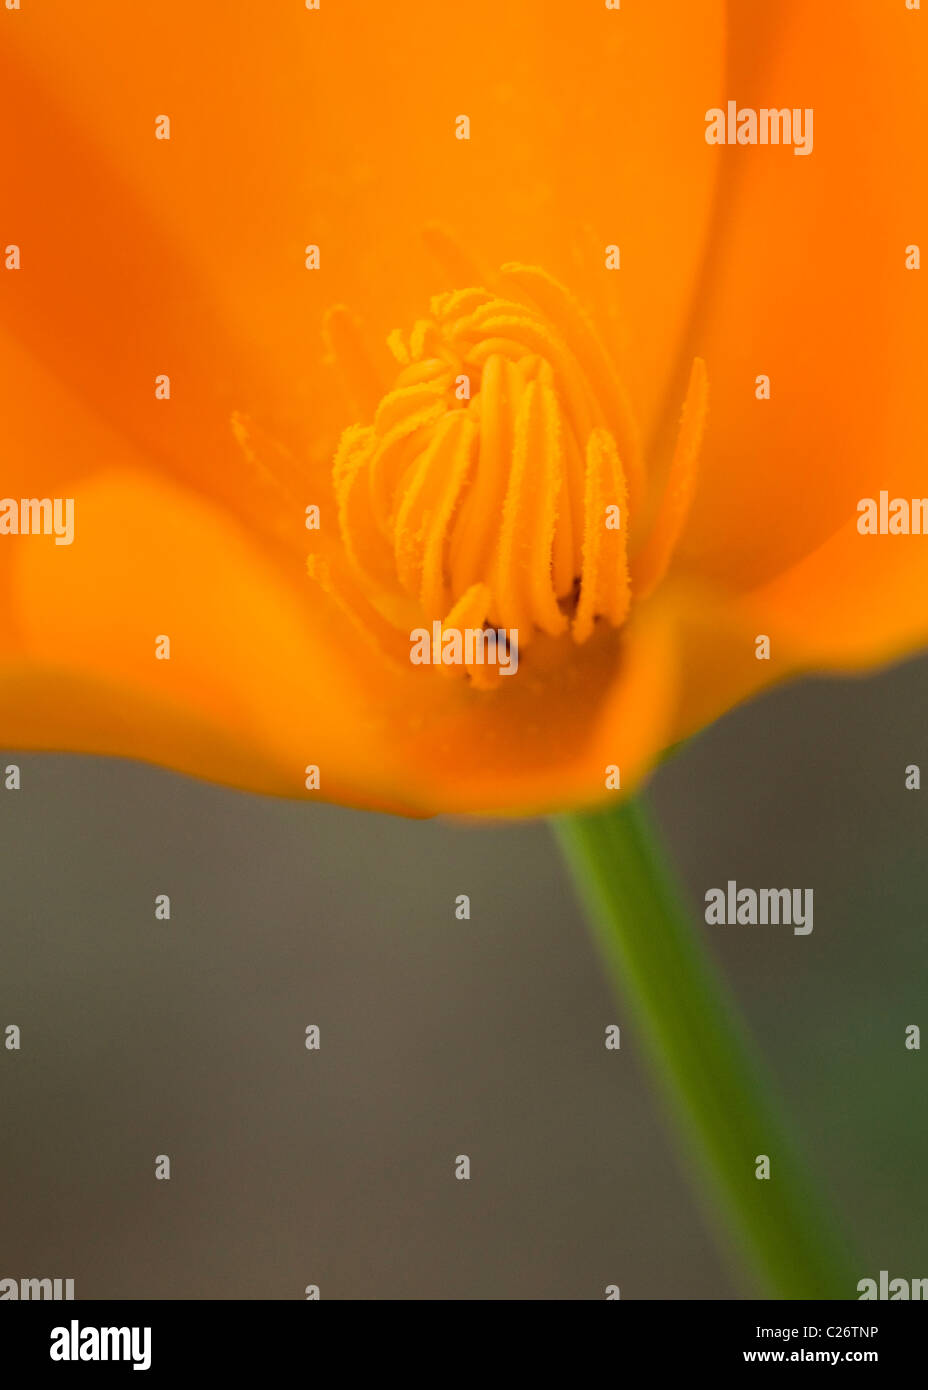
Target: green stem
(711, 1076)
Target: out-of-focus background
(442, 1037)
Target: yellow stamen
(364, 546)
(424, 515)
(470, 611)
(652, 561)
(543, 290)
(477, 529)
(604, 588)
(499, 476)
(385, 638)
(392, 453)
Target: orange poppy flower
(205, 337)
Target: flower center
(497, 481)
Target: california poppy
(238, 212)
(351, 327)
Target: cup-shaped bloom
(631, 407)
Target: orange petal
(286, 125)
(262, 683)
(807, 284)
(854, 602)
(651, 563)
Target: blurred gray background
(441, 1037)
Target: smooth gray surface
(440, 1037)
